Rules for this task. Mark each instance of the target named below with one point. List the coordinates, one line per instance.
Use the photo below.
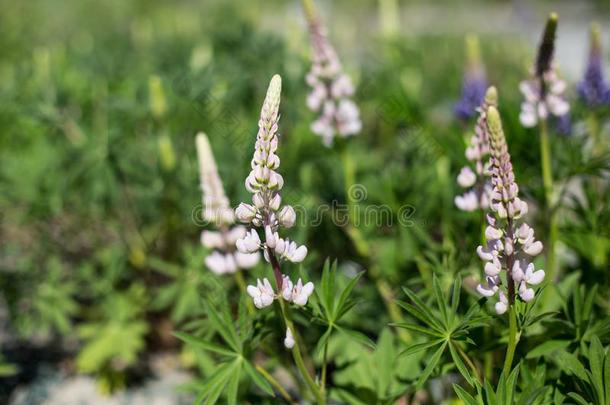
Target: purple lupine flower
(475, 176)
(474, 83)
(510, 243)
(544, 91)
(593, 89)
(331, 88)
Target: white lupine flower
(215, 203)
(474, 177)
(287, 216)
(526, 294)
(493, 233)
(224, 259)
(466, 178)
(533, 249)
(288, 250)
(250, 243)
(539, 103)
(289, 339)
(245, 212)
(212, 240)
(266, 212)
(331, 90)
(246, 260)
(301, 293)
(262, 294)
(286, 288)
(491, 288)
(485, 254)
(467, 202)
(221, 263)
(506, 239)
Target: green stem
(298, 357)
(513, 339)
(275, 383)
(547, 178)
(323, 377)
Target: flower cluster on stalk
(474, 83)
(224, 258)
(511, 245)
(543, 92)
(593, 88)
(331, 88)
(477, 152)
(267, 213)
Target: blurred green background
(100, 101)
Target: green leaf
(580, 400)
(210, 391)
(431, 365)
(416, 348)
(421, 315)
(339, 310)
(607, 378)
(511, 383)
(464, 396)
(440, 299)
(258, 379)
(571, 365)
(233, 385)
(457, 360)
(547, 347)
(224, 327)
(419, 329)
(429, 317)
(455, 297)
(596, 360)
(203, 344)
(356, 336)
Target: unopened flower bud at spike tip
(494, 123)
(491, 96)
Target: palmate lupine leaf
(330, 310)
(234, 364)
(594, 383)
(442, 327)
(505, 392)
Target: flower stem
(513, 339)
(547, 178)
(323, 377)
(298, 357)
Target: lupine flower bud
(289, 339)
(474, 177)
(224, 259)
(331, 89)
(474, 84)
(266, 213)
(287, 217)
(508, 244)
(544, 91)
(593, 88)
